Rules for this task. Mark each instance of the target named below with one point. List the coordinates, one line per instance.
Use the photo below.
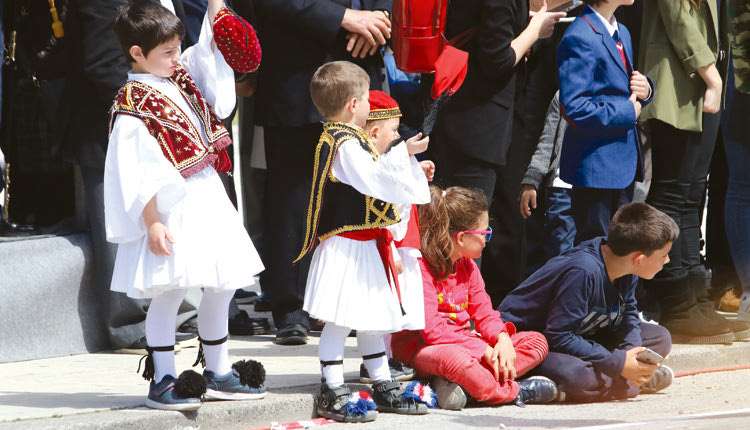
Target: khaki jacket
(677, 39)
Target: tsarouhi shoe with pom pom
(340, 404)
(244, 382)
(181, 394)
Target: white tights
(213, 317)
(331, 348)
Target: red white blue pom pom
(359, 403)
(421, 393)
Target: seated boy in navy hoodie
(583, 301)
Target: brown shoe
(729, 302)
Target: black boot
(701, 282)
(682, 317)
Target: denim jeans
(551, 234)
(737, 209)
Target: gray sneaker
(243, 382)
(661, 379)
(449, 394)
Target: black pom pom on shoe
(190, 384)
(251, 372)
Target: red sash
(411, 239)
(384, 239)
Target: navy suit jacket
(601, 148)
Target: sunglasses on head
(487, 233)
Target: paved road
(708, 401)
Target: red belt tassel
(384, 240)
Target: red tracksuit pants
(454, 363)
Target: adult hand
(429, 169)
(528, 200)
(374, 26)
(712, 99)
(636, 372)
(158, 236)
(543, 22)
(416, 144)
(359, 47)
(639, 85)
(636, 104)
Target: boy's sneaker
(661, 379)
(449, 394)
(399, 372)
(389, 397)
(164, 396)
(743, 313)
(244, 382)
(338, 403)
(536, 389)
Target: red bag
(237, 41)
(418, 39)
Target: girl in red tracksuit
(485, 362)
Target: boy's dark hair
(640, 227)
(335, 83)
(147, 24)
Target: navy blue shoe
(230, 387)
(163, 396)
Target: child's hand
(636, 105)
(417, 145)
(634, 371)
(502, 358)
(544, 22)
(158, 235)
(429, 169)
(639, 85)
(399, 267)
(528, 200)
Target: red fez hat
(450, 72)
(237, 41)
(382, 106)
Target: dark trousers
(290, 153)
(680, 161)
(554, 229)
(592, 208)
(580, 380)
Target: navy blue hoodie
(573, 303)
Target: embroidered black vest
(336, 207)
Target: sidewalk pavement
(103, 390)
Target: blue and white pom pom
(359, 403)
(421, 393)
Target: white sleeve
(390, 179)
(135, 171)
(399, 229)
(211, 73)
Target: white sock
(372, 344)
(331, 348)
(161, 319)
(387, 341)
(213, 321)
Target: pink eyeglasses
(487, 233)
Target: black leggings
(680, 164)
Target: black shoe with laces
(338, 403)
(536, 389)
(389, 397)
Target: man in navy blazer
(601, 98)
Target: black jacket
(477, 121)
(297, 37)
